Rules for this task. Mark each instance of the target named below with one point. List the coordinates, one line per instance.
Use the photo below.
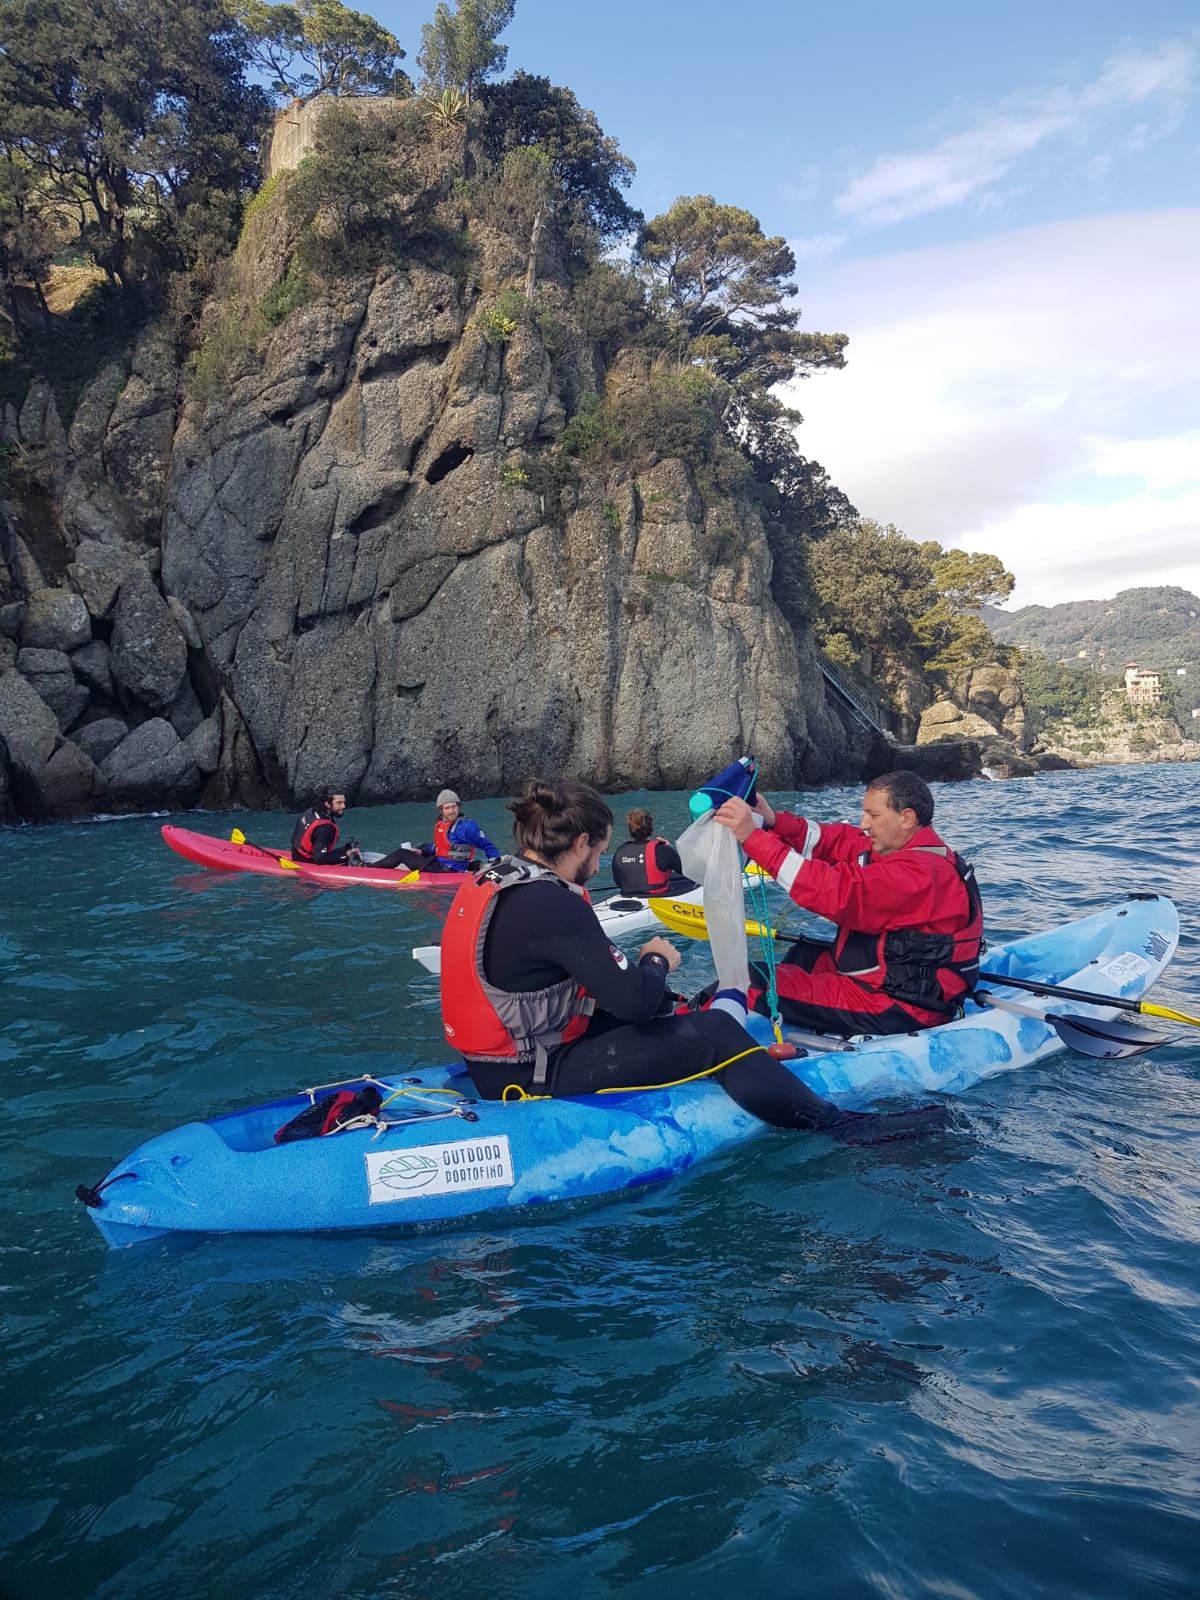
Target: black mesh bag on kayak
(330, 1114)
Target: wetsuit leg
(644, 1055)
(414, 860)
(667, 1049)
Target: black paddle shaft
(1055, 989)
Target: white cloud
(817, 247)
(1035, 394)
(969, 165)
(898, 187)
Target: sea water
(962, 1366)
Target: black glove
(354, 856)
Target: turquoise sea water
(967, 1366)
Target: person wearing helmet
(455, 840)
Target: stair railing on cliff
(855, 703)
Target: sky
(998, 204)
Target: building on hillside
(1143, 687)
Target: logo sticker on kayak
(1125, 969)
(431, 1169)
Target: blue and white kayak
(441, 1156)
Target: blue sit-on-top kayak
(435, 1154)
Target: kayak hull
(226, 856)
(448, 1157)
(378, 878)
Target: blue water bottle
(738, 778)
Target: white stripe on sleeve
(789, 870)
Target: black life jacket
(932, 971)
(636, 871)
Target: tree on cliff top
(721, 289)
(136, 123)
(459, 49)
(723, 285)
(321, 47)
(554, 159)
(28, 233)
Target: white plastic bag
(712, 856)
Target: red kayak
(239, 855)
(378, 877)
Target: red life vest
(442, 846)
(485, 1023)
(932, 971)
(302, 833)
(636, 871)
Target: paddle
(1079, 1033)
(1141, 1007)
(369, 857)
(1110, 1040)
(236, 836)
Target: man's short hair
(906, 791)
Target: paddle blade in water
(1108, 1040)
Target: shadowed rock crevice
(449, 459)
(382, 511)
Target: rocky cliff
(339, 567)
(1117, 736)
(984, 714)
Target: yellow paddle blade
(1165, 1011)
(292, 866)
(681, 916)
(408, 877)
(236, 836)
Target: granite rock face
(986, 716)
(343, 571)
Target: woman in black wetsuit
(537, 1000)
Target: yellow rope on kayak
(513, 1093)
(416, 1091)
(645, 1088)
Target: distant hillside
(1155, 627)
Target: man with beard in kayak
(538, 1001)
(645, 866)
(452, 848)
(907, 909)
(315, 836)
